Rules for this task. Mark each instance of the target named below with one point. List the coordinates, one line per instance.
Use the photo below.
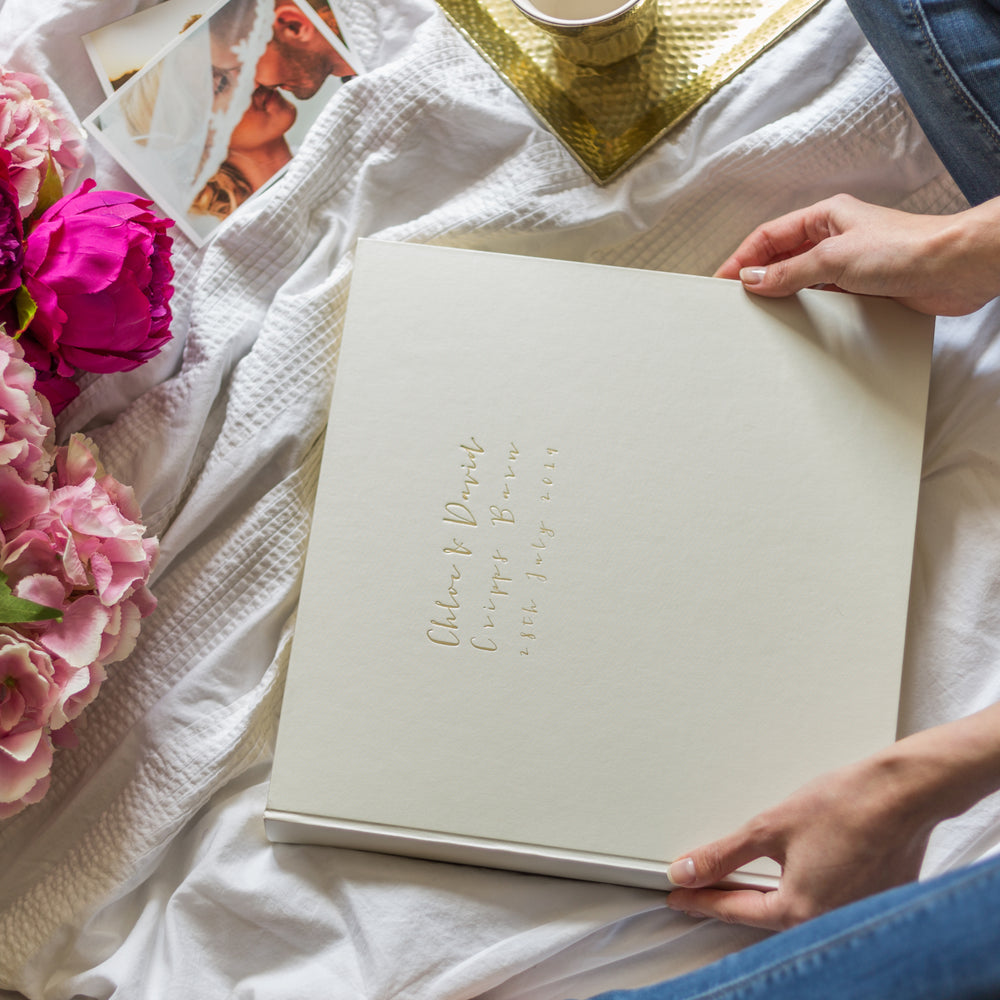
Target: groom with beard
(298, 57)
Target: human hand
(837, 839)
(850, 833)
(946, 265)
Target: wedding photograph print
(119, 50)
(218, 114)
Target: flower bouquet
(85, 285)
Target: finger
(817, 267)
(710, 863)
(732, 267)
(787, 236)
(734, 906)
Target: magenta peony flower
(97, 264)
(11, 235)
(57, 390)
(31, 130)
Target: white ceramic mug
(593, 32)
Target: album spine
(298, 828)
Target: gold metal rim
(608, 117)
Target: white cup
(593, 32)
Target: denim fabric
(934, 940)
(945, 56)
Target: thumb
(711, 863)
(786, 277)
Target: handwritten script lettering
(450, 607)
(504, 506)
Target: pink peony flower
(97, 264)
(11, 235)
(32, 131)
(29, 694)
(26, 427)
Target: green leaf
(26, 308)
(17, 609)
(51, 189)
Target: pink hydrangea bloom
(29, 694)
(19, 500)
(85, 554)
(32, 130)
(26, 427)
(74, 542)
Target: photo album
(603, 561)
(207, 103)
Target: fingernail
(682, 872)
(752, 275)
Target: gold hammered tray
(607, 117)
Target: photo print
(119, 50)
(218, 114)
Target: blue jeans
(934, 940)
(945, 56)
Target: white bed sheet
(145, 872)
